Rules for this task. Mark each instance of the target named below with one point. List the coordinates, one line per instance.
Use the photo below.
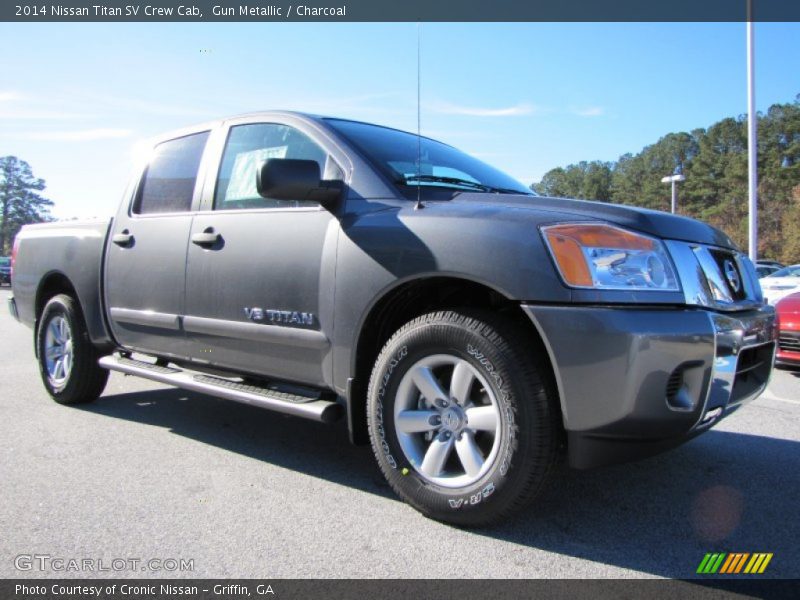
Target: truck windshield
(395, 154)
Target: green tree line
(20, 201)
(714, 162)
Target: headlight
(606, 257)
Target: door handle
(123, 239)
(207, 238)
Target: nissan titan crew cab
(467, 328)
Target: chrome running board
(315, 409)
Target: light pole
(674, 179)
(752, 141)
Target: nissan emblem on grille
(732, 275)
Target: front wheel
(461, 419)
(67, 358)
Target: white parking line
(770, 396)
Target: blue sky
(76, 98)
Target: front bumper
(636, 381)
(12, 308)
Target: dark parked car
(5, 270)
(467, 328)
(766, 270)
(789, 330)
(769, 263)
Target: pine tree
(714, 162)
(20, 204)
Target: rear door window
(169, 181)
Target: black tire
(529, 420)
(85, 380)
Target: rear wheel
(461, 419)
(67, 358)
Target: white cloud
(109, 103)
(474, 111)
(84, 104)
(13, 111)
(35, 114)
(81, 135)
(590, 111)
(35, 109)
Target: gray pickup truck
(472, 331)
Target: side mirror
(296, 179)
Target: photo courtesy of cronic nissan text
(372, 299)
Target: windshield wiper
(499, 190)
(446, 180)
(456, 181)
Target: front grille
(789, 341)
(752, 371)
(725, 279)
(731, 274)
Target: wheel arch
(52, 284)
(407, 300)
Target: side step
(284, 402)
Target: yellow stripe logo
(734, 563)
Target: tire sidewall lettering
(505, 406)
(379, 414)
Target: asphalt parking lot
(150, 472)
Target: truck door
(260, 272)
(146, 256)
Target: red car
(789, 330)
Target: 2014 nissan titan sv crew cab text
(469, 329)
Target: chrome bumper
(744, 357)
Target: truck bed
(50, 253)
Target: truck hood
(652, 222)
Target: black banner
(398, 10)
(417, 589)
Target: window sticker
(242, 185)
